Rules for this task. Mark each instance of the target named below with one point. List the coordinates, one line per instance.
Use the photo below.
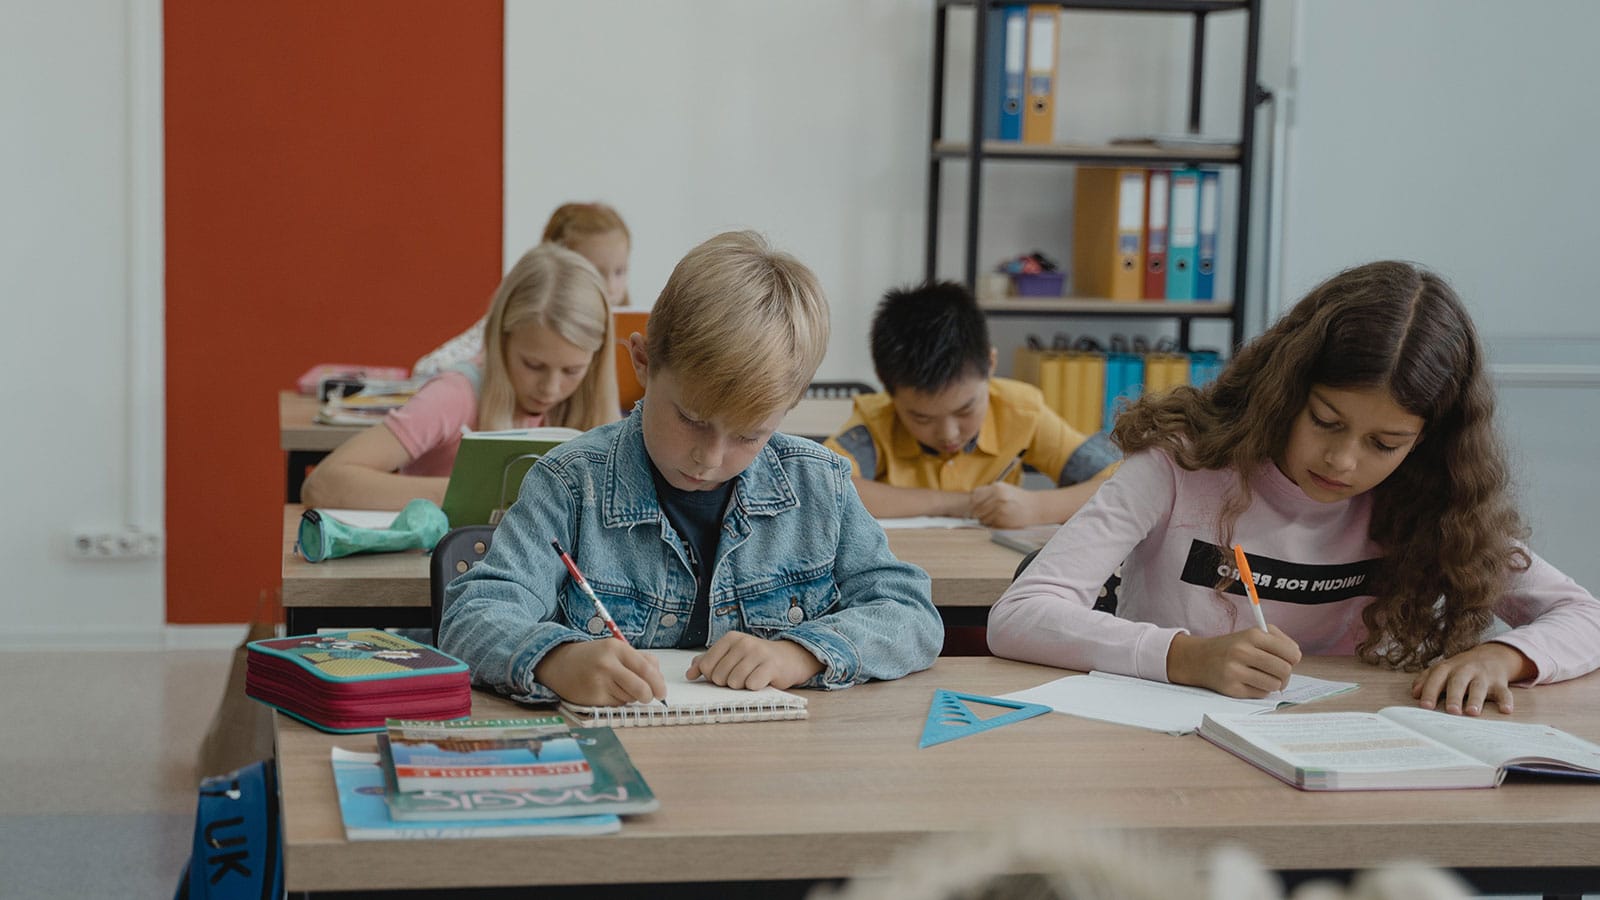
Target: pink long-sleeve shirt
(1312, 561)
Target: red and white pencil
(583, 585)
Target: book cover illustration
(360, 655)
(617, 788)
(359, 780)
(520, 727)
(467, 763)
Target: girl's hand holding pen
(1247, 663)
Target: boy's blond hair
(742, 326)
(557, 289)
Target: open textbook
(1173, 708)
(1399, 748)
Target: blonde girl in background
(594, 231)
(548, 360)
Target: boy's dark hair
(926, 337)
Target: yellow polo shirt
(1018, 423)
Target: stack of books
(366, 405)
(488, 778)
(356, 680)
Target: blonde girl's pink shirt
(1313, 564)
(429, 426)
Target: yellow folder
(1108, 233)
(1039, 113)
(1050, 377)
(1091, 394)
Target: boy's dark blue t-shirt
(697, 517)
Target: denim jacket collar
(762, 489)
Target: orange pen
(1249, 585)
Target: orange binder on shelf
(1108, 233)
(1155, 234)
(1039, 114)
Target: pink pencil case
(307, 383)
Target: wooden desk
(834, 794)
(305, 442)
(969, 573)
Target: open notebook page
(694, 702)
(1173, 708)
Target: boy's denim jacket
(799, 559)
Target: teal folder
(1183, 234)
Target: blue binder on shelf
(1183, 234)
(1203, 367)
(1013, 31)
(1210, 214)
(1124, 383)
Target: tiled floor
(97, 765)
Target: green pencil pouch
(419, 526)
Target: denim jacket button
(796, 615)
(669, 620)
(597, 625)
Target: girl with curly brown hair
(1351, 451)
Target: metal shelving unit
(976, 152)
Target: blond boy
(695, 522)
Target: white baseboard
(164, 637)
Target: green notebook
(489, 469)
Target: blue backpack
(237, 853)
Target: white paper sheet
(1173, 708)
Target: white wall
(809, 121)
(80, 282)
(1458, 133)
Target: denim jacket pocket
(643, 619)
(775, 607)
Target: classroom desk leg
(308, 619)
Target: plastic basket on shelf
(1038, 284)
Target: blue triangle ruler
(950, 718)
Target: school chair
(455, 553)
(1108, 593)
(624, 323)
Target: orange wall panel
(333, 194)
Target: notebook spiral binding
(640, 716)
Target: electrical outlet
(116, 543)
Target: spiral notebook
(693, 702)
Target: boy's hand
(1249, 663)
(746, 662)
(1467, 679)
(605, 672)
(1004, 506)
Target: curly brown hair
(1444, 518)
